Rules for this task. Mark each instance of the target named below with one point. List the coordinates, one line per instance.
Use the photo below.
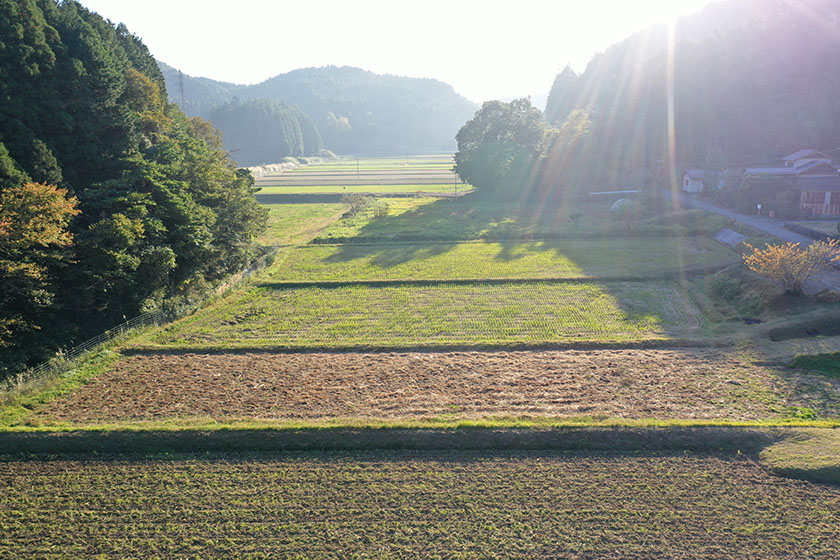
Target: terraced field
(430, 173)
(591, 258)
(686, 383)
(379, 331)
(462, 219)
(398, 504)
(268, 188)
(407, 315)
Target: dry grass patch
(664, 384)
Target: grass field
(416, 315)
(392, 504)
(592, 258)
(292, 224)
(364, 189)
(430, 170)
(464, 219)
(828, 227)
(826, 364)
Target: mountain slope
(355, 111)
(754, 78)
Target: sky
(484, 49)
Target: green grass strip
(825, 364)
(807, 454)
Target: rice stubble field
(401, 504)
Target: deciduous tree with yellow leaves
(791, 264)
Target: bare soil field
(392, 504)
(649, 383)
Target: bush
(628, 212)
(357, 202)
(380, 209)
(725, 287)
(790, 264)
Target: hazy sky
(485, 49)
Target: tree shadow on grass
(437, 228)
(590, 247)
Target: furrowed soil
(651, 383)
(452, 504)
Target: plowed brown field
(674, 384)
(414, 505)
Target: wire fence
(153, 318)
(65, 359)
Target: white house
(694, 181)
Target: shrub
(790, 264)
(380, 209)
(725, 287)
(357, 202)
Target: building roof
(770, 171)
(805, 153)
(813, 164)
(805, 167)
(694, 173)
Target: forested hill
(200, 95)
(263, 131)
(112, 201)
(756, 79)
(355, 111)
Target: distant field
(445, 504)
(365, 189)
(290, 224)
(468, 218)
(434, 170)
(352, 226)
(601, 258)
(478, 313)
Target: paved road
(771, 226)
(826, 279)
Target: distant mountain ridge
(355, 111)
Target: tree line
(112, 200)
(261, 131)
